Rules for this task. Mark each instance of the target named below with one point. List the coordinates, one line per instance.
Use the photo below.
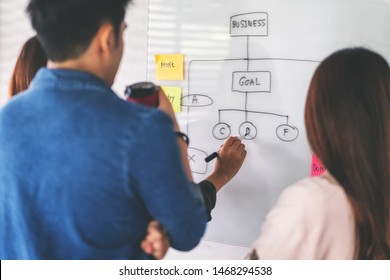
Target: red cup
(145, 93)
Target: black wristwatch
(183, 136)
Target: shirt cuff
(209, 194)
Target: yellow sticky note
(169, 66)
(174, 96)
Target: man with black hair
(82, 172)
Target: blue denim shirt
(83, 172)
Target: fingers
(234, 143)
(156, 242)
(241, 147)
(147, 247)
(243, 153)
(161, 93)
(232, 150)
(163, 103)
(229, 142)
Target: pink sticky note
(317, 168)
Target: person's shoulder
(13, 103)
(316, 187)
(315, 195)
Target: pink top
(312, 219)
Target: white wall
(133, 66)
(14, 31)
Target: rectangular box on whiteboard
(249, 24)
(251, 81)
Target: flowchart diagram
(247, 70)
(246, 81)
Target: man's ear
(106, 38)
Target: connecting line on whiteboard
(246, 106)
(247, 69)
(216, 154)
(252, 112)
(247, 53)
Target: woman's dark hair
(347, 118)
(66, 27)
(31, 58)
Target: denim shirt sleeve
(160, 179)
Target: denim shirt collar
(67, 79)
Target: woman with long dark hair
(344, 214)
(348, 127)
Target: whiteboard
(248, 65)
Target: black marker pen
(211, 157)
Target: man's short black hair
(66, 27)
